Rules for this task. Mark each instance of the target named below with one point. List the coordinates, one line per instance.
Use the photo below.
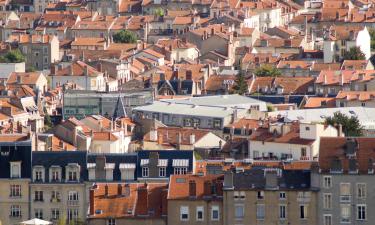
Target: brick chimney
(119, 190)
(143, 200)
(92, 203)
(106, 190)
(192, 189)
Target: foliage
(354, 53)
(372, 34)
(270, 108)
(197, 156)
(240, 86)
(124, 36)
(47, 119)
(13, 56)
(267, 71)
(159, 12)
(31, 69)
(350, 125)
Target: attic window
(99, 211)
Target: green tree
(31, 69)
(372, 34)
(47, 119)
(159, 12)
(267, 71)
(13, 56)
(354, 53)
(124, 36)
(350, 125)
(240, 86)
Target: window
(184, 213)
(72, 214)
(303, 152)
(345, 213)
(327, 200)
(344, 192)
(55, 175)
(217, 123)
(15, 211)
(162, 171)
(72, 176)
(55, 196)
(200, 213)
(363, 104)
(38, 196)
(361, 190)
(303, 211)
(260, 195)
(180, 170)
(307, 128)
(39, 213)
(187, 122)
(111, 222)
(15, 169)
(196, 122)
(282, 211)
(144, 171)
(239, 212)
(260, 212)
(15, 190)
(215, 213)
(327, 219)
(38, 176)
(282, 195)
(361, 212)
(73, 196)
(55, 214)
(327, 181)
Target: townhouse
(345, 181)
(269, 196)
(355, 99)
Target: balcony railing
(73, 203)
(345, 198)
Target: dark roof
(279, 99)
(117, 159)
(14, 152)
(62, 159)
(288, 180)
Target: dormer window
(55, 174)
(127, 171)
(38, 174)
(109, 167)
(180, 166)
(72, 173)
(15, 169)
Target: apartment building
(57, 188)
(269, 196)
(346, 181)
(195, 200)
(15, 174)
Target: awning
(180, 163)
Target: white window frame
(282, 195)
(361, 192)
(327, 181)
(184, 210)
(239, 217)
(258, 212)
(73, 196)
(358, 217)
(162, 171)
(15, 211)
(200, 209)
(345, 218)
(282, 211)
(305, 212)
(15, 190)
(15, 173)
(111, 221)
(145, 171)
(213, 209)
(55, 214)
(325, 219)
(327, 205)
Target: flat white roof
(365, 115)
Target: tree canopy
(350, 125)
(13, 56)
(240, 86)
(354, 53)
(125, 36)
(267, 71)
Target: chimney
(192, 189)
(92, 203)
(160, 139)
(53, 69)
(119, 190)
(212, 31)
(271, 180)
(126, 190)
(106, 190)
(192, 139)
(143, 199)
(325, 78)
(178, 141)
(341, 79)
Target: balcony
(73, 203)
(55, 200)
